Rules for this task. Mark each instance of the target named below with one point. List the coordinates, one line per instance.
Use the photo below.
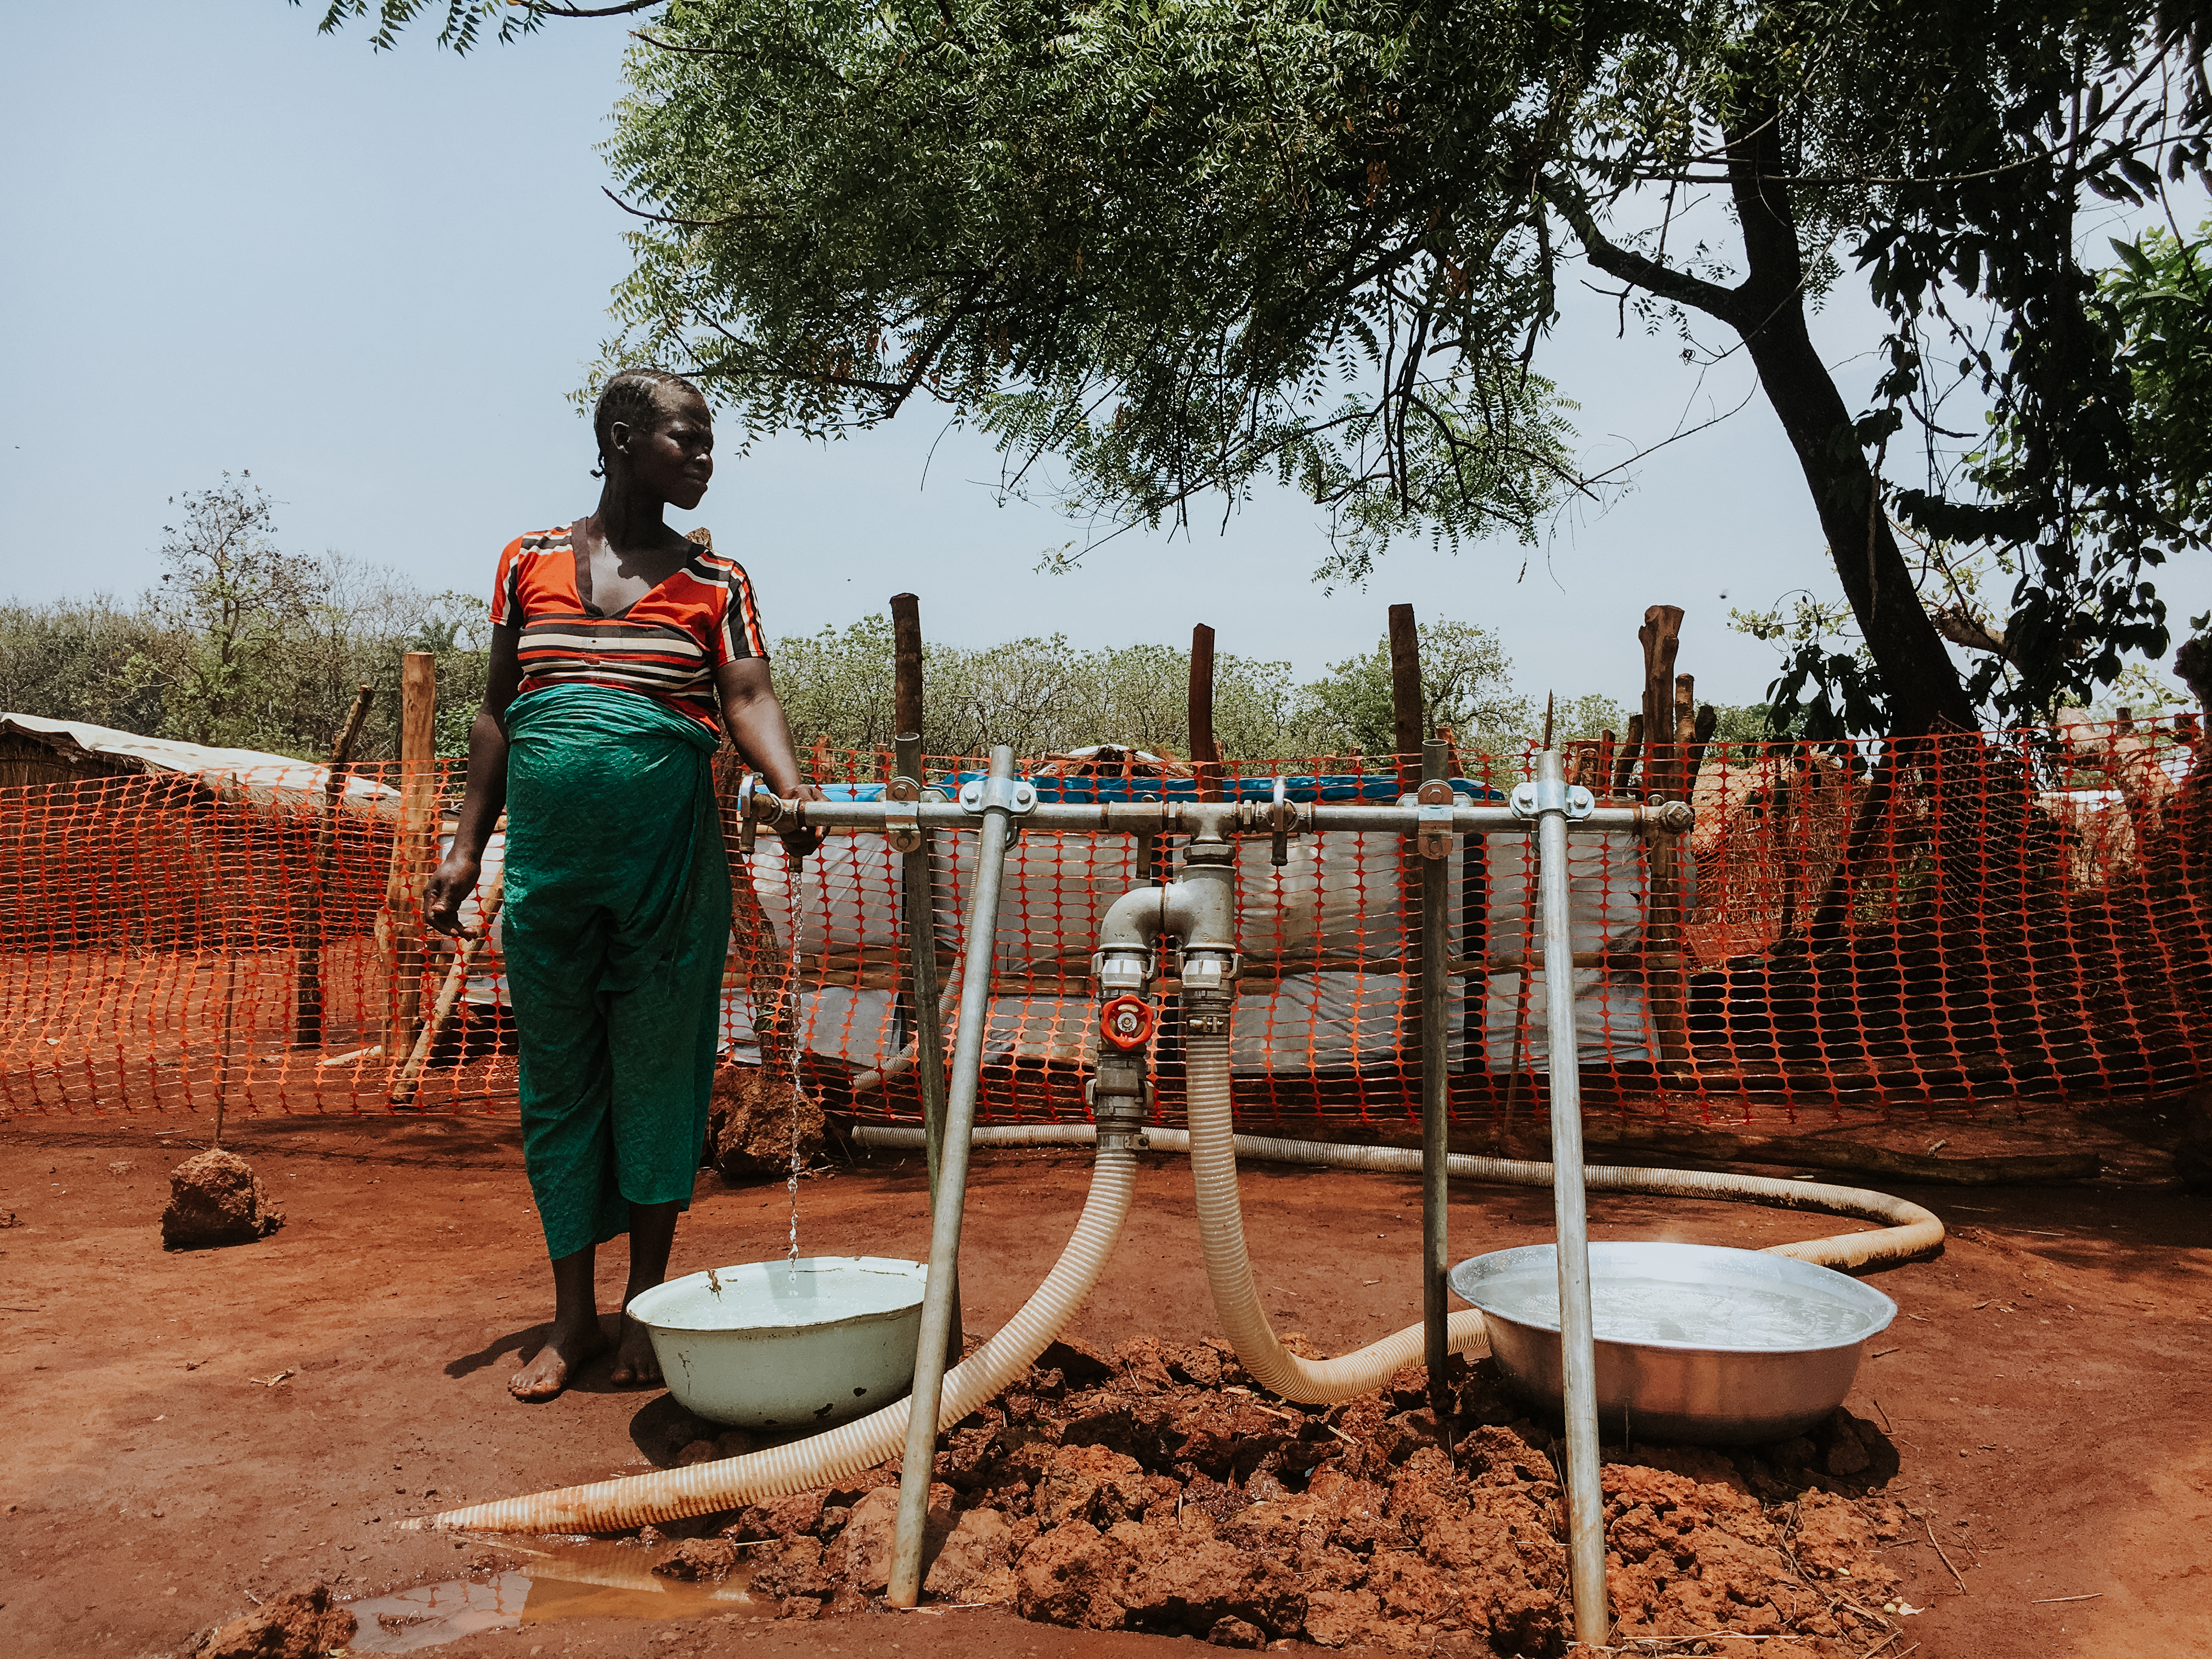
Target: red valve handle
(1127, 1022)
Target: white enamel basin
(780, 1345)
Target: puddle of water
(563, 1581)
(431, 1613)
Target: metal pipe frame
(1578, 1347)
(918, 892)
(1436, 1105)
(1194, 817)
(1552, 805)
(904, 1589)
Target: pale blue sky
(373, 279)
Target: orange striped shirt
(666, 646)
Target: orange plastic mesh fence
(2026, 914)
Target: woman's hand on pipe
(804, 841)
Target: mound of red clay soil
(750, 1124)
(1156, 1489)
(300, 1626)
(215, 1198)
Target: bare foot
(567, 1350)
(636, 1364)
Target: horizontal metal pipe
(1135, 817)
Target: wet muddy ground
(190, 1431)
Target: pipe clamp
(748, 788)
(900, 821)
(1534, 799)
(1012, 795)
(1432, 828)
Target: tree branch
(670, 219)
(1961, 627)
(547, 9)
(1615, 260)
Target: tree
(1038, 695)
(1043, 696)
(246, 644)
(1183, 247)
(223, 606)
(2157, 301)
(68, 660)
(1465, 684)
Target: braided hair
(632, 396)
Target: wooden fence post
(918, 891)
(400, 926)
(1204, 753)
(1406, 721)
(1665, 747)
(906, 666)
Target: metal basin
(779, 1346)
(1694, 1342)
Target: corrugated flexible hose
(1228, 1266)
(824, 1459)
(1907, 1229)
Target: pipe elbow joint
(1133, 921)
(1201, 909)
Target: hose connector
(1209, 990)
(1122, 971)
(1119, 1118)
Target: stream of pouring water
(789, 1016)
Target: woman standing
(620, 653)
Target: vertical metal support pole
(918, 889)
(918, 885)
(905, 1587)
(1435, 1108)
(1577, 1347)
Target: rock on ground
(300, 1626)
(215, 1198)
(697, 1559)
(750, 1124)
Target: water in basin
(1714, 1314)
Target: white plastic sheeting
(1056, 891)
(1607, 879)
(263, 778)
(1328, 1022)
(1613, 1019)
(1333, 909)
(849, 896)
(853, 1026)
(1335, 901)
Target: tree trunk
(1923, 688)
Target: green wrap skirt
(617, 928)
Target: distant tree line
(243, 644)
(1042, 694)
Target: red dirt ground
(2044, 1388)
